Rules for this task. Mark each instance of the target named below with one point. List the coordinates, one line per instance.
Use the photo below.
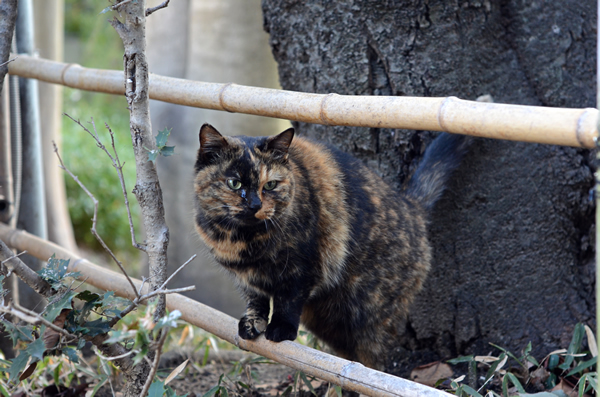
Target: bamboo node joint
(441, 110)
(64, 72)
(221, 97)
(323, 112)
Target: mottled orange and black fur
(320, 234)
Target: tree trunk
(513, 257)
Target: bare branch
(14, 256)
(18, 311)
(137, 301)
(150, 10)
(154, 366)
(119, 167)
(118, 5)
(29, 277)
(94, 219)
(116, 163)
(177, 271)
(115, 358)
(7, 62)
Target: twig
(29, 277)
(7, 62)
(116, 6)
(150, 10)
(40, 319)
(102, 357)
(137, 301)
(116, 163)
(177, 271)
(14, 256)
(119, 167)
(94, 219)
(154, 366)
(162, 290)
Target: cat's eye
(234, 184)
(270, 185)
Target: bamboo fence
(349, 375)
(558, 126)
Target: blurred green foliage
(92, 42)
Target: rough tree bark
(513, 258)
(147, 190)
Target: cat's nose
(254, 203)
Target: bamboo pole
(349, 375)
(558, 126)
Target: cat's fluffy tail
(441, 158)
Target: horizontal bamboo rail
(349, 375)
(558, 126)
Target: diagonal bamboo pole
(558, 126)
(349, 375)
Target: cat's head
(243, 180)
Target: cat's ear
(280, 144)
(211, 142)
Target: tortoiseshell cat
(321, 234)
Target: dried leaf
(50, 336)
(176, 372)
(567, 389)
(430, 373)
(591, 339)
(27, 373)
(538, 377)
(485, 359)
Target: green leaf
(470, 391)
(71, 355)
(493, 367)
(56, 271)
(167, 151)
(583, 365)
(307, 383)
(162, 137)
(3, 391)
(17, 366)
(56, 373)
(36, 349)
(88, 296)
(461, 359)
(338, 390)
(592, 379)
(170, 320)
(574, 346)
(555, 393)
(54, 309)
(212, 391)
(102, 380)
(157, 389)
(553, 361)
(508, 353)
(152, 155)
(18, 333)
(513, 379)
(96, 327)
(119, 336)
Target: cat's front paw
(279, 331)
(250, 327)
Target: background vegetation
(92, 42)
